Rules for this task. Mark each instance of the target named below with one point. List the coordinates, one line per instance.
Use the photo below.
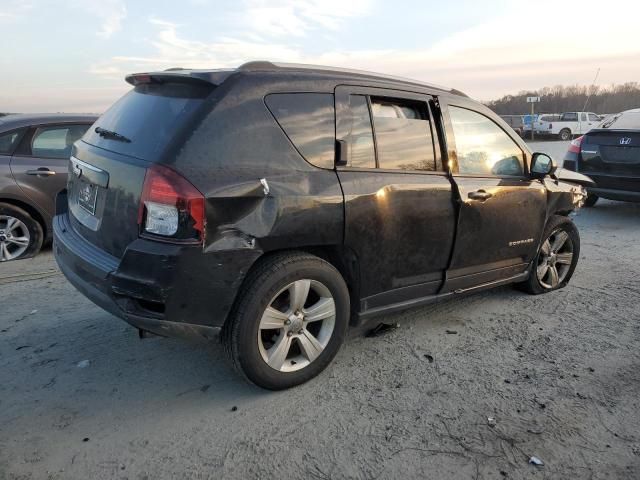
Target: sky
(72, 55)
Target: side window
(56, 142)
(583, 117)
(9, 141)
(593, 117)
(483, 147)
(359, 135)
(569, 117)
(403, 135)
(308, 119)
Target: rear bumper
(166, 289)
(615, 187)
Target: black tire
(565, 134)
(591, 200)
(270, 276)
(556, 224)
(33, 227)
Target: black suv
(275, 204)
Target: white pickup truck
(569, 124)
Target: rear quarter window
(308, 119)
(9, 141)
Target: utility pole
(532, 101)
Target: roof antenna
(593, 84)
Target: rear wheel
(557, 258)
(565, 134)
(20, 235)
(591, 200)
(289, 321)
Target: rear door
(502, 211)
(40, 163)
(399, 210)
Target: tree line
(558, 99)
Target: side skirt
(418, 302)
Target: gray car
(34, 157)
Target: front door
(41, 163)
(502, 211)
(399, 209)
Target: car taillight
(575, 145)
(171, 208)
(550, 126)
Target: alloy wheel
(297, 325)
(555, 259)
(14, 238)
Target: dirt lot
(81, 397)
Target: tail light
(575, 145)
(171, 208)
(550, 126)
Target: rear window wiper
(104, 133)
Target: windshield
(624, 121)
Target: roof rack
(264, 65)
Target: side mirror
(542, 165)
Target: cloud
(486, 60)
(13, 10)
(172, 50)
(110, 13)
(298, 17)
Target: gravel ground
(82, 398)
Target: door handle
(480, 195)
(41, 172)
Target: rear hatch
(612, 158)
(107, 170)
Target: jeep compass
(274, 205)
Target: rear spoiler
(179, 75)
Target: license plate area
(87, 196)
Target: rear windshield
(149, 116)
(624, 120)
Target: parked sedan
(34, 158)
(610, 155)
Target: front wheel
(556, 259)
(289, 320)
